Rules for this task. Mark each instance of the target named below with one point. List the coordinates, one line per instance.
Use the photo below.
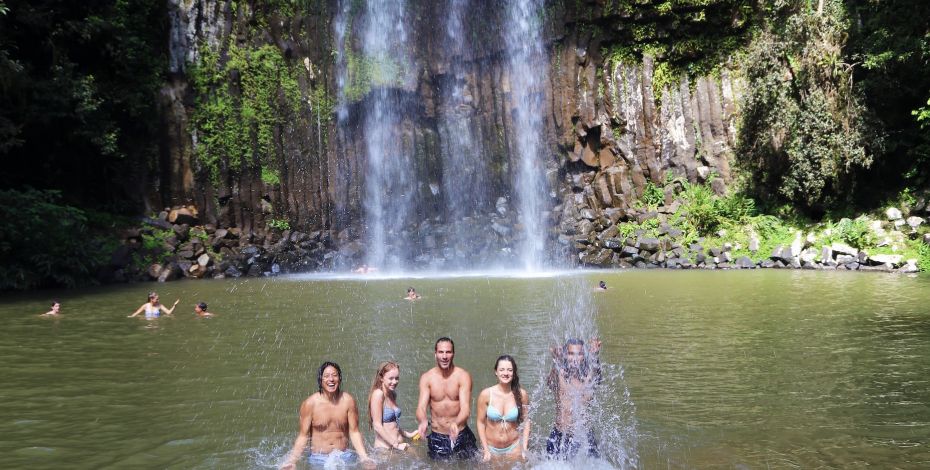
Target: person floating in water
(601, 286)
(383, 412)
(201, 310)
(329, 420)
(445, 391)
(502, 410)
(153, 309)
(412, 294)
(574, 375)
(55, 311)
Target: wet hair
(203, 306)
(152, 294)
(319, 374)
(444, 339)
(378, 382)
(583, 368)
(55, 302)
(514, 384)
(410, 289)
(602, 285)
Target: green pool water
(762, 369)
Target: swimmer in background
(412, 294)
(575, 373)
(55, 311)
(383, 412)
(601, 286)
(502, 411)
(365, 269)
(153, 309)
(329, 422)
(201, 310)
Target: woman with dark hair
(153, 309)
(502, 410)
(383, 412)
(329, 421)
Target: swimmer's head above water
(329, 378)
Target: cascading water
(389, 183)
(605, 408)
(527, 70)
(465, 192)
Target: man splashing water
(576, 371)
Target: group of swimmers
(154, 309)
(329, 418)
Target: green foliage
(154, 249)
(241, 103)
(653, 195)
(79, 84)
(46, 243)
(803, 132)
(279, 224)
(854, 232)
(270, 176)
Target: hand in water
(421, 429)
(367, 463)
(454, 434)
(486, 457)
(402, 446)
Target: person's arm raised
(303, 435)
(422, 404)
(595, 349)
(169, 311)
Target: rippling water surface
(773, 369)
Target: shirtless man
(575, 374)
(446, 391)
(329, 419)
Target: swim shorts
(441, 447)
(334, 459)
(565, 446)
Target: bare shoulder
(463, 375)
(348, 399)
(429, 376)
(307, 405)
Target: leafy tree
(78, 95)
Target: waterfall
(527, 70)
(464, 175)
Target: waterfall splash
(527, 67)
(606, 409)
(389, 183)
(465, 174)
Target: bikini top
(495, 415)
(152, 311)
(390, 415)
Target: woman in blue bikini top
(503, 427)
(383, 412)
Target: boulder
(183, 215)
(648, 244)
(154, 270)
(158, 223)
(893, 213)
(613, 243)
(843, 249)
(826, 254)
(885, 259)
(743, 262)
(914, 222)
(169, 273)
(204, 260)
(909, 267)
(753, 244)
(629, 252)
(846, 259)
